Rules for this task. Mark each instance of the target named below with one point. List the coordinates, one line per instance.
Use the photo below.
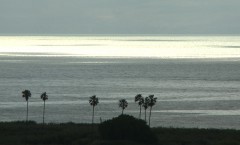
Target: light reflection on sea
(191, 92)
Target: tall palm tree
(140, 100)
(123, 104)
(93, 102)
(152, 102)
(44, 97)
(26, 94)
(145, 106)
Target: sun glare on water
(123, 46)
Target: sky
(22, 17)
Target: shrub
(125, 127)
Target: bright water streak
(122, 46)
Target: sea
(196, 79)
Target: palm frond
(44, 96)
(123, 103)
(26, 94)
(93, 100)
(152, 100)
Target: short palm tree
(152, 102)
(26, 94)
(123, 104)
(93, 102)
(44, 97)
(140, 100)
(145, 106)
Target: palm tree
(123, 104)
(152, 102)
(26, 94)
(145, 106)
(93, 102)
(44, 97)
(140, 100)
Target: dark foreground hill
(20, 133)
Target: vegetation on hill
(126, 127)
(135, 130)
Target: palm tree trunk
(150, 115)
(93, 115)
(140, 112)
(122, 111)
(145, 115)
(44, 112)
(27, 112)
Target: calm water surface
(191, 93)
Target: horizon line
(106, 34)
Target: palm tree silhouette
(93, 102)
(140, 100)
(152, 102)
(26, 94)
(44, 97)
(123, 104)
(145, 106)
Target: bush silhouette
(125, 127)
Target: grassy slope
(18, 133)
(180, 136)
